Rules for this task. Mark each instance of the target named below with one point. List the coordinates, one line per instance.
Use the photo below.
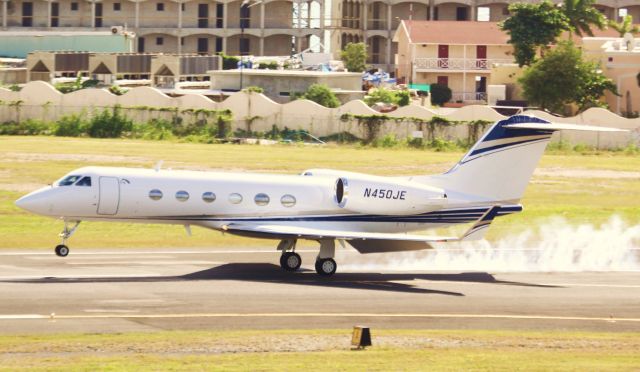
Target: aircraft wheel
(62, 250)
(290, 261)
(326, 266)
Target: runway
(111, 291)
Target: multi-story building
(376, 21)
(459, 55)
(257, 27)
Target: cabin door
(109, 195)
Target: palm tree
(626, 26)
(582, 15)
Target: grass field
(583, 188)
(325, 350)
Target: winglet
(477, 231)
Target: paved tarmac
(117, 291)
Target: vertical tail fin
(498, 167)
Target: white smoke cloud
(556, 246)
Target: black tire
(62, 250)
(290, 261)
(326, 266)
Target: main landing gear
(61, 249)
(325, 264)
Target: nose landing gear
(61, 249)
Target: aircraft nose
(33, 202)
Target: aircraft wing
(365, 242)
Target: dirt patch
(585, 173)
(37, 157)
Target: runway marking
(129, 253)
(313, 315)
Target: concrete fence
(253, 111)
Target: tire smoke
(556, 246)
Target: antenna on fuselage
(158, 165)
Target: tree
(626, 26)
(396, 97)
(322, 95)
(354, 57)
(563, 77)
(533, 27)
(582, 15)
(440, 94)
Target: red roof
(456, 32)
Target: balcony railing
(456, 63)
(469, 97)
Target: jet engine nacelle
(381, 195)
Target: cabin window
(85, 181)
(235, 198)
(288, 201)
(69, 180)
(155, 194)
(261, 199)
(209, 197)
(182, 196)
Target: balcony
(469, 97)
(456, 64)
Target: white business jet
(371, 213)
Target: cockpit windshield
(69, 180)
(85, 181)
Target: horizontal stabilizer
(563, 126)
(479, 229)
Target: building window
(245, 46)
(182, 196)
(181, 41)
(183, 7)
(74, 7)
(209, 197)
(235, 198)
(155, 194)
(159, 41)
(116, 7)
(160, 7)
(288, 201)
(261, 199)
(218, 44)
(245, 17)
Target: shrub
(378, 95)
(70, 126)
(253, 88)
(109, 124)
(322, 95)
(271, 65)
(440, 94)
(114, 89)
(403, 97)
(27, 127)
(229, 62)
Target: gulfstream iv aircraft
(371, 213)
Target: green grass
(405, 350)
(28, 162)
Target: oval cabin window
(182, 196)
(235, 198)
(288, 201)
(155, 194)
(209, 197)
(261, 199)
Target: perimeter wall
(255, 112)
